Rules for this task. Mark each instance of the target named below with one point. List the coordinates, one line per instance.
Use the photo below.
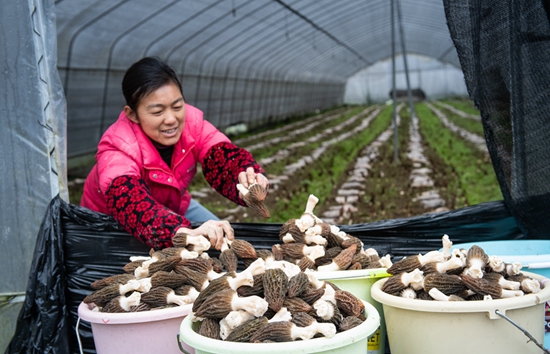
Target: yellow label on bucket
(374, 342)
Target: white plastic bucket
(534, 256)
(352, 341)
(145, 332)
(433, 327)
(359, 282)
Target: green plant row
(327, 173)
(277, 167)
(273, 149)
(464, 105)
(471, 125)
(476, 177)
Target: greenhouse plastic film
(76, 246)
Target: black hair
(144, 77)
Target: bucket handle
(533, 339)
(78, 335)
(179, 345)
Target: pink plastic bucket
(148, 332)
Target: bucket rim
(371, 273)
(491, 306)
(188, 335)
(106, 318)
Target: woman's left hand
(248, 177)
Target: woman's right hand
(214, 230)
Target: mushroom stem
(251, 304)
(236, 318)
(324, 309)
(282, 315)
(447, 244)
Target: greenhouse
(313, 133)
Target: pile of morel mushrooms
(457, 275)
(277, 297)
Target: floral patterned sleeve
(222, 165)
(130, 202)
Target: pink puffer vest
(124, 149)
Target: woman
(148, 157)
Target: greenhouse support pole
(394, 93)
(404, 50)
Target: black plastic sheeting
(503, 47)
(76, 246)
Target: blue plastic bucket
(534, 256)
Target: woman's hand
(214, 230)
(248, 177)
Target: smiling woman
(148, 157)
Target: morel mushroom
(132, 266)
(243, 332)
(409, 264)
(527, 285)
(296, 304)
(162, 278)
(201, 265)
(233, 320)
(254, 197)
(492, 288)
(408, 293)
(210, 328)
(506, 284)
(163, 296)
(302, 319)
(349, 322)
(328, 311)
(147, 270)
(122, 303)
(257, 288)
(340, 262)
(308, 219)
(297, 285)
(187, 290)
(228, 257)
(308, 261)
(231, 281)
(349, 304)
(199, 243)
(297, 250)
(102, 296)
(453, 263)
(476, 260)
(112, 280)
(243, 249)
(496, 264)
(225, 301)
(446, 283)
(330, 254)
(400, 281)
(196, 279)
(281, 332)
(275, 288)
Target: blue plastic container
(534, 256)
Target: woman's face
(161, 114)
